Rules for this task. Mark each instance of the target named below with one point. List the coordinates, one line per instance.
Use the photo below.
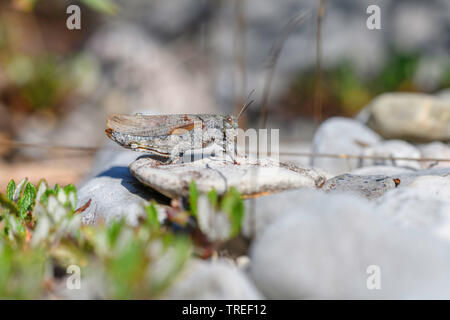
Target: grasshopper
(170, 136)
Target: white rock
(432, 185)
(324, 248)
(392, 148)
(410, 115)
(435, 150)
(424, 204)
(264, 211)
(114, 194)
(247, 177)
(380, 170)
(109, 200)
(216, 280)
(341, 136)
(408, 178)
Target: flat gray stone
(374, 186)
(370, 187)
(248, 177)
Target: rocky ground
(321, 228)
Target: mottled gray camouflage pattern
(170, 136)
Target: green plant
(41, 231)
(397, 73)
(102, 6)
(233, 205)
(230, 203)
(193, 196)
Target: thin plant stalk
(273, 58)
(318, 101)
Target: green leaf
(21, 231)
(19, 189)
(46, 195)
(8, 204)
(103, 6)
(42, 187)
(113, 231)
(62, 197)
(70, 188)
(72, 200)
(213, 198)
(25, 203)
(71, 193)
(193, 196)
(182, 250)
(126, 269)
(152, 215)
(233, 205)
(10, 190)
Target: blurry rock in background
(341, 136)
(143, 76)
(436, 150)
(413, 116)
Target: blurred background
(57, 86)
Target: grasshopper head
(231, 122)
(120, 129)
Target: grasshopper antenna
(246, 105)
